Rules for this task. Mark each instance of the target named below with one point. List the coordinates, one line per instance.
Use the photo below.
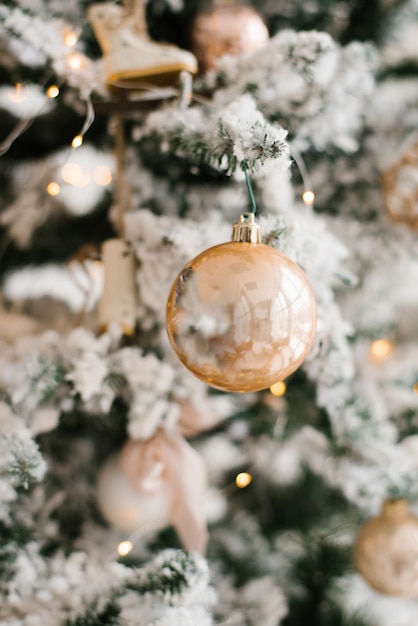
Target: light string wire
(308, 195)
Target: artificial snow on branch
(228, 138)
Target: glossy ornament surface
(229, 29)
(386, 551)
(241, 316)
(400, 188)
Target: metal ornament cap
(246, 230)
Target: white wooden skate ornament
(131, 58)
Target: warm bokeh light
(380, 349)
(74, 174)
(77, 141)
(279, 388)
(243, 479)
(124, 548)
(71, 173)
(75, 61)
(308, 197)
(17, 94)
(70, 38)
(415, 389)
(53, 189)
(102, 175)
(52, 91)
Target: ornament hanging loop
(250, 191)
(246, 230)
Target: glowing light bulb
(70, 38)
(18, 94)
(53, 189)
(75, 61)
(102, 175)
(308, 197)
(52, 91)
(243, 479)
(415, 389)
(279, 388)
(77, 141)
(380, 349)
(124, 548)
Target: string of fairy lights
(71, 173)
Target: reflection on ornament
(229, 29)
(131, 58)
(386, 550)
(241, 315)
(400, 187)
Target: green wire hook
(250, 192)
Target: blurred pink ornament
(153, 484)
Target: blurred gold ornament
(241, 315)
(226, 29)
(400, 187)
(386, 550)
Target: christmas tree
(268, 476)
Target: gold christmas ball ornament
(400, 187)
(226, 29)
(241, 315)
(386, 551)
